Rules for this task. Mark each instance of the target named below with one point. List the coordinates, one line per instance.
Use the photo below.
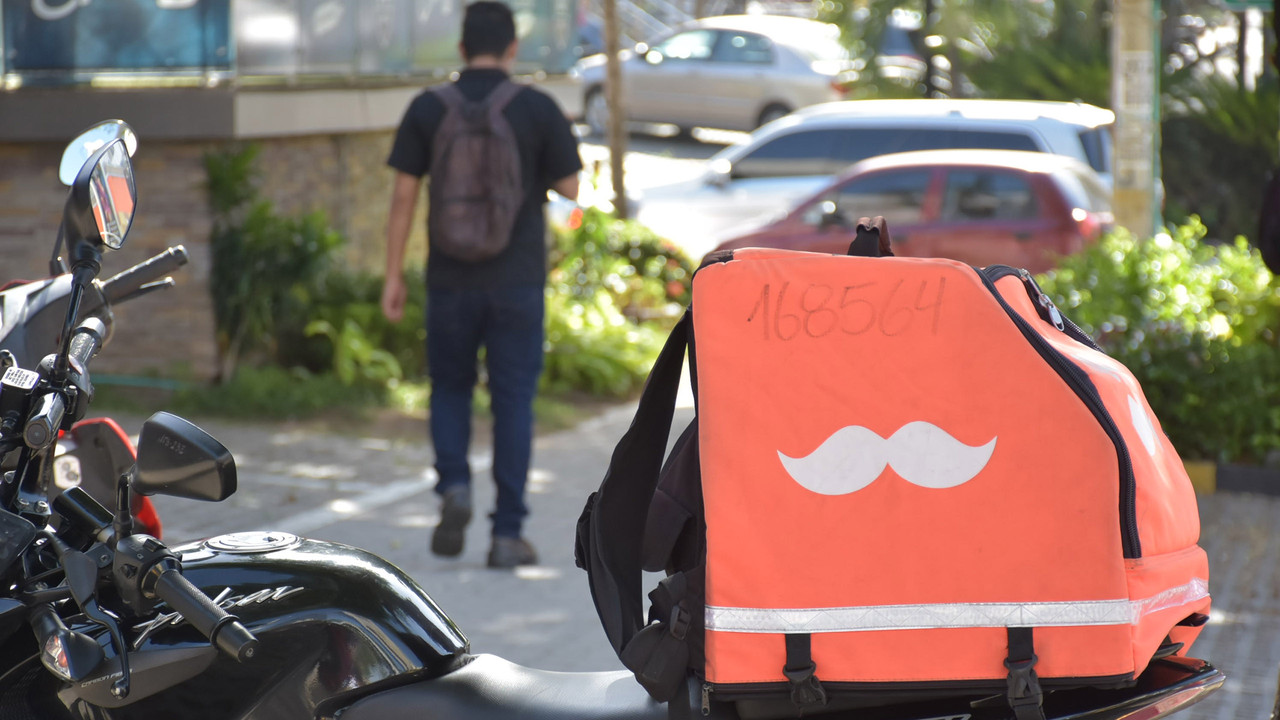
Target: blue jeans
(507, 321)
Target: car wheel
(595, 110)
(771, 113)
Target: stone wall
(172, 333)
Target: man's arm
(404, 199)
(567, 186)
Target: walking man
(492, 148)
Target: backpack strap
(611, 530)
(499, 97)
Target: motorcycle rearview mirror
(88, 142)
(99, 210)
(179, 459)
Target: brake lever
(82, 579)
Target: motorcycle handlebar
(86, 341)
(223, 630)
(129, 281)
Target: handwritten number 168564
(786, 312)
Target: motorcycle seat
(490, 688)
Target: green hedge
(1197, 324)
(615, 290)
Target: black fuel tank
(332, 622)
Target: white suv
(748, 184)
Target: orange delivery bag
(904, 474)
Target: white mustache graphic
(921, 452)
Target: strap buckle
(807, 692)
(1025, 696)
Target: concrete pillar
(1135, 97)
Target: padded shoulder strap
(611, 530)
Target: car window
(992, 140)
(987, 195)
(808, 152)
(898, 195)
(1097, 148)
(741, 47)
(691, 45)
(872, 141)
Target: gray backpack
(476, 189)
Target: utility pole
(1135, 96)
(617, 111)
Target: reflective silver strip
(952, 615)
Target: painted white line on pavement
(346, 508)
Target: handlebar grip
(86, 341)
(128, 281)
(212, 621)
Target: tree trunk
(617, 109)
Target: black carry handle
(872, 239)
(611, 530)
(224, 630)
(127, 282)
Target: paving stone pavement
(375, 493)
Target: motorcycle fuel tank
(332, 622)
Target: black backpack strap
(611, 529)
(1024, 695)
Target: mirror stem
(124, 507)
(81, 275)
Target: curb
(1209, 477)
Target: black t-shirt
(548, 152)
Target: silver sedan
(734, 72)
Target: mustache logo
(921, 452)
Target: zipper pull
(706, 700)
(1055, 317)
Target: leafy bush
(1196, 323)
(265, 266)
(615, 289)
(1212, 124)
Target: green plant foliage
(1196, 323)
(344, 297)
(615, 289)
(1212, 124)
(265, 266)
(355, 357)
(272, 393)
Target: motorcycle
(93, 452)
(272, 625)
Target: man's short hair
(487, 29)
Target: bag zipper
(1079, 382)
(1041, 298)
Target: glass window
(1097, 148)
(987, 195)
(740, 47)
(992, 140)
(811, 152)
(898, 195)
(871, 141)
(692, 45)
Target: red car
(981, 207)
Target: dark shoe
(511, 552)
(455, 513)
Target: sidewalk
(375, 494)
